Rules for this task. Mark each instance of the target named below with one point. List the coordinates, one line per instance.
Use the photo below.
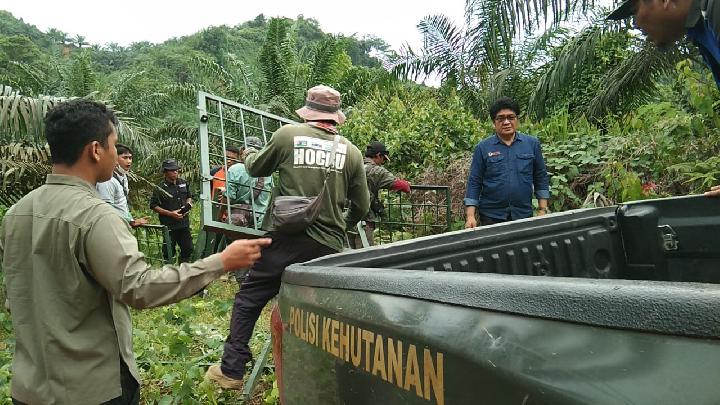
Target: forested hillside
(606, 105)
(264, 63)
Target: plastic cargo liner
(651, 266)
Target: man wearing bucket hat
(664, 22)
(302, 156)
(378, 177)
(172, 201)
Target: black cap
(376, 147)
(170, 164)
(623, 11)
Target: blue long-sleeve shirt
(502, 178)
(703, 28)
(704, 37)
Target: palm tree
(80, 41)
(57, 36)
(234, 80)
(466, 57)
(278, 64)
(630, 79)
(481, 59)
(325, 62)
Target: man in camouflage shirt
(378, 177)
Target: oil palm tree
(490, 54)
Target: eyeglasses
(503, 118)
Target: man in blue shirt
(667, 21)
(506, 168)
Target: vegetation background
(615, 115)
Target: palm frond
(135, 137)
(233, 81)
(635, 77)
(522, 16)
(80, 78)
(576, 54)
(21, 117)
(278, 62)
(21, 121)
(246, 89)
(170, 129)
(22, 168)
(25, 77)
(441, 53)
(185, 152)
(324, 62)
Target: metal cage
(226, 123)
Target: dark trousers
(130, 389)
(260, 285)
(182, 238)
(490, 221)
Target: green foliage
(10, 26)
(175, 345)
(700, 175)
(80, 76)
(615, 116)
(579, 65)
(328, 62)
(21, 117)
(278, 64)
(272, 394)
(22, 64)
(417, 128)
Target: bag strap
(258, 189)
(332, 158)
(122, 183)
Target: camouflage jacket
(377, 177)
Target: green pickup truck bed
(616, 305)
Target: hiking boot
(216, 375)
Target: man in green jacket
(300, 155)
(72, 268)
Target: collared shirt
(72, 267)
(703, 29)
(171, 197)
(502, 178)
(242, 188)
(114, 192)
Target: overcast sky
(128, 21)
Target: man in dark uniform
(378, 177)
(172, 201)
